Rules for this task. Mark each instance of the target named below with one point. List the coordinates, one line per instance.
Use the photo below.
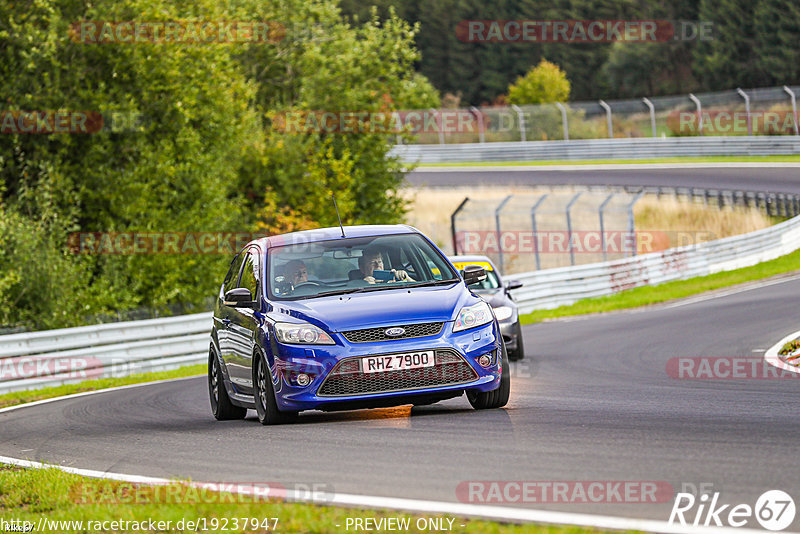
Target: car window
(249, 277)
(232, 278)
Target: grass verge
(33, 494)
(647, 295)
(703, 159)
(21, 397)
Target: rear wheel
(483, 400)
(221, 405)
(266, 405)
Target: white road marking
(500, 513)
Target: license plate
(397, 362)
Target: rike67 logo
(774, 510)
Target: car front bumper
(323, 363)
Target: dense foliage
(198, 154)
(754, 43)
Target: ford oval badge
(394, 332)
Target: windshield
(354, 265)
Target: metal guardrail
(588, 149)
(54, 357)
(562, 286)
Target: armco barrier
(557, 287)
(583, 149)
(53, 357)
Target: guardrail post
(632, 220)
(535, 231)
(439, 125)
(603, 226)
(478, 115)
(564, 122)
(569, 228)
(794, 107)
(699, 113)
(497, 227)
(652, 115)
(746, 110)
(521, 119)
(453, 224)
(608, 118)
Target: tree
(777, 30)
(543, 84)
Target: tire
(518, 353)
(487, 400)
(221, 405)
(264, 395)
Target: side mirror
(473, 274)
(513, 284)
(239, 297)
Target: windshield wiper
(432, 282)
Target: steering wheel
(307, 283)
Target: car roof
(471, 257)
(334, 232)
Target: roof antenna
(337, 213)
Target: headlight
(503, 312)
(472, 316)
(301, 333)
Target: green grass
(21, 397)
(704, 159)
(30, 494)
(647, 295)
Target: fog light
(303, 379)
(485, 360)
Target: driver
(295, 272)
(371, 260)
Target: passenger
(371, 260)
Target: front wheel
(483, 400)
(519, 353)
(266, 405)
(221, 405)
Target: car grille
(379, 334)
(346, 377)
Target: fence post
(439, 125)
(569, 227)
(533, 225)
(746, 110)
(521, 119)
(699, 113)
(603, 226)
(608, 118)
(453, 224)
(478, 115)
(794, 107)
(652, 115)
(564, 122)
(632, 220)
(497, 227)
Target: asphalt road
(592, 401)
(766, 179)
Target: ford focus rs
(349, 318)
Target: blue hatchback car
(348, 318)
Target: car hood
(379, 308)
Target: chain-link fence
(764, 111)
(526, 232)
